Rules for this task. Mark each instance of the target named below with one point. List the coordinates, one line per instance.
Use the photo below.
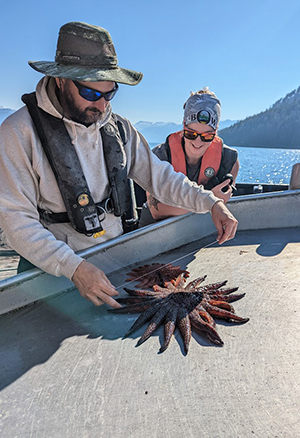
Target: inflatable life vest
(83, 213)
(210, 163)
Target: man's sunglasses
(205, 136)
(94, 95)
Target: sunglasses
(94, 95)
(205, 136)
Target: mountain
(5, 112)
(157, 132)
(154, 132)
(226, 123)
(276, 127)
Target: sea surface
(265, 165)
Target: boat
(9, 258)
(66, 370)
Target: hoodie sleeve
(160, 179)
(19, 187)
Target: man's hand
(226, 224)
(217, 190)
(94, 286)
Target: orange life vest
(210, 163)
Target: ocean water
(265, 165)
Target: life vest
(83, 213)
(210, 163)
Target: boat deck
(67, 372)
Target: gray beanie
(202, 108)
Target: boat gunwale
(112, 255)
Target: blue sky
(246, 52)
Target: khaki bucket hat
(86, 53)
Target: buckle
(109, 205)
(101, 213)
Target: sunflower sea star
(183, 305)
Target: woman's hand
(217, 190)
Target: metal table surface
(67, 372)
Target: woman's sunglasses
(94, 95)
(205, 136)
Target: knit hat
(202, 108)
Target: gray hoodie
(27, 182)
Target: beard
(86, 117)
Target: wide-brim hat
(86, 53)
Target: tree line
(277, 127)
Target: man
(65, 156)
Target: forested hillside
(277, 127)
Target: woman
(197, 152)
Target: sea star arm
(224, 314)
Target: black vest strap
(115, 158)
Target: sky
(246, 52)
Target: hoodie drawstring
(74, 135)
